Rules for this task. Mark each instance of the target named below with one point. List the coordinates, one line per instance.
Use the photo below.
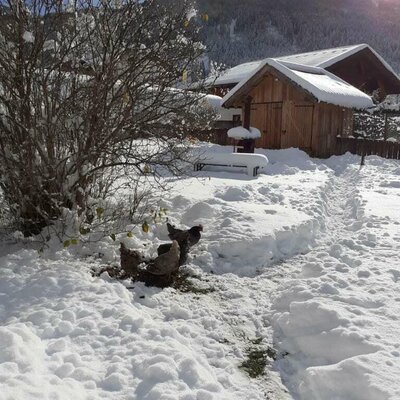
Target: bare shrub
(90, 89)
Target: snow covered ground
(304, 259)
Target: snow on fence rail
(366, 147)
(252, 162)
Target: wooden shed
(296, 105)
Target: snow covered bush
(87, 88)
(376, 125)
(371, 126)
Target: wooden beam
(247, 112)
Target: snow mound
(338, 381)
(242, 133)
(250, 224)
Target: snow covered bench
(253, 162)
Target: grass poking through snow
(185, 284)
(257, 359)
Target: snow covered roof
(237, 74)
(322, 85)
(320, 58)
(323, 58)
(225, 114)
(328, 57)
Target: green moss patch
(257, 358)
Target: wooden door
(304, 116)
(274, 125)
(257, 120)
(267, 117)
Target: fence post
(396, 153)
(363, 151)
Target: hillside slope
(239, 31)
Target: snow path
(246, 302)
(338, 318)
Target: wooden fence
(366, 147)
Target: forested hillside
(239, 31)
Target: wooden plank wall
(330, 121)
(282, 113)
(272, 89)
(268, 119)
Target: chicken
(167, 263)
(183, 247)
(130, 260)
(191, 236)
